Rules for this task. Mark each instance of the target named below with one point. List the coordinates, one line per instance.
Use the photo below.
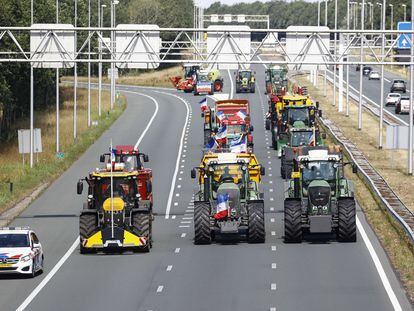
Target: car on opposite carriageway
(20, 251)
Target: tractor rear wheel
(88, 223)
(283, 167)
(252, 88)
(256, 233)
(141, 224)
(202, 230)
(346, 220)
(293, 225)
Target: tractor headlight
(211, 169)
(314, 208)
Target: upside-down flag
(239, 145)
(222, 206)
(203, 104)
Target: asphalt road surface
(176, 274)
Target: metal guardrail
(379, 187)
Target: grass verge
(391, 236)
(160, 78)
(47, 165)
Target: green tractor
(245, 81)
(235, 179)
(299, 136)
(318, 198)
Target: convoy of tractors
(229, 202)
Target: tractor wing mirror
(79, 187)
(354, 168)
(102, 158)
(193, 173)
(262, 171)
(146, 158)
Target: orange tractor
(187, 83)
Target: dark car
(398, 85)
(366, 70)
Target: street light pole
(381, 21)
(405, 11)
(371, 14)
(347, 58)
(335, 53)
(31, 96)
(383, 7)
(361, 43)
(100, 17)
(410, 129)
(57, 92)
(392, 21)
(75, 73)
(319, 13)
(326, 12)
(89, 64)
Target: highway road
(372, 88)
(176, 274)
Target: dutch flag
(203, 104)
(222, 210)
(240, 145)
(241, 115)
(212, 143)
(222, 133)
(220, 115)
(113, 157)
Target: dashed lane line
(160, 289)
(75, 244)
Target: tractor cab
(190, 70)
(128, 155)
(245, 81)
(276, 80)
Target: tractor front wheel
(202, 230)
(257, 233)
(141, 226)
(346, 220)
(293, 225)
(88, 224)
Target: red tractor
(187, 83)
(132, 160)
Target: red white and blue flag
(212, 144)
(239, 145)
(241, 115)
(222, 210)
(113, 157)
(203, 104)
(222, 134)
(220, 115)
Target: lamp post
(326, 12)
(392, 21)
(57, 91)
(380, 5)
(113, 4)
(100, 21)
(361, 43)
(319, 13)
(383, 7)
(89, 65)
(75, 73)
(371, 14)
(405, 11)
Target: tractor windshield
(131, 161)
(123, 187)
(304, 138)
(203, 78)
(227, 170)
(321, 170)
(245, 75)
(298, 114)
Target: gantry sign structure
(223, 47)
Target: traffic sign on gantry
(52, 45)
(404, 40)
(226, 47)
(309, 47)
(138, 46)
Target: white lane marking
(175, 204)
(177, 194)
(231, 84)
(177, 250)
(274, 266)
(184, 226)
(75, 244)
(181, 172)
(187, 218)
(178, 186)
(183, 234)
(272, 220)
(169, 268)
(271, 199)
(173, 216)
(55, 269)
(270, 174)
(273, 248)
(387, 80)
(272, 309)
(189, 210)
(272, 209)
(384, 279)
(273, 286)
(273, 233)
(270, 190)
(270, 181)
(186, 222)
(167, 212)
(160, 289)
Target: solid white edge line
(383, 276)
(75, 244)
(180, 149)
(384, 279)
(231, 84)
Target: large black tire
(141, 224)
(252, 89)
(283, 167)
(202, 230)
(88, 224)
(293, 224)
(256, 233)
(346, 220)
(288, 171)
(207, 136)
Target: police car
(20, 251)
